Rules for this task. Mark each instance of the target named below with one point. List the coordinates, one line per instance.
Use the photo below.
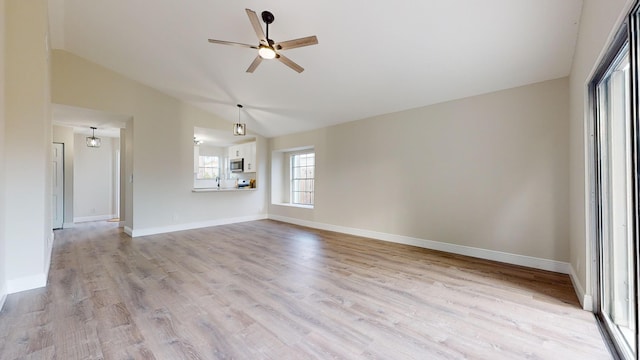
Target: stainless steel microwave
(236, 165)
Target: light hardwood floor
(269, 290)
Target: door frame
(625, 36)
(61, 200)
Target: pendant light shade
(239, 129)
(93, 141)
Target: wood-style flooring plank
(270, 290)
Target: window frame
(292, 178)
(216, 168)
(280, 192)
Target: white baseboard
(92, 218)
(68, 225)
(190, 226)
(26, 283)
(3, 298)
(34, 281)
(515, 259)
(48, 254)
(586, 301)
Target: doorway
(57, 184)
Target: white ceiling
(373, 57)
(219, 138)
(81, 120)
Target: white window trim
(281, 176)
(207, 167)
(291, 179)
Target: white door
(57, 171)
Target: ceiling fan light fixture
(266, 46)
(266, 52)
(93, 141)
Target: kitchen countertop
(222, 189)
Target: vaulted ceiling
(373, 57)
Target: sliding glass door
(616, 230)
(614, 149)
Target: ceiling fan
(267, 48)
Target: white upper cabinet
(247, 151)
(249, 157)
(236, 151)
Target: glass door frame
(627, 35)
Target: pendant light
(239, 129)
(93, 141)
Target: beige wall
(64, 135)
(487, 172)
(126, 170)
(93, 174)
(598, 23)
(162, 147)
(3, 260)
(27, 219)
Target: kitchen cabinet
(250, 157)
(247, 151)
(236, 151)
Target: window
(208, 167)
(293, 177)
(302, 178)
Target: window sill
(294, 205)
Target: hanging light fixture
(239, 128)
(93, 141)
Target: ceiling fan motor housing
(267, 17)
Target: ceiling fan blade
(254, 64)
(213, 41)
(291, 44)
(255, 22)
(285, 60)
